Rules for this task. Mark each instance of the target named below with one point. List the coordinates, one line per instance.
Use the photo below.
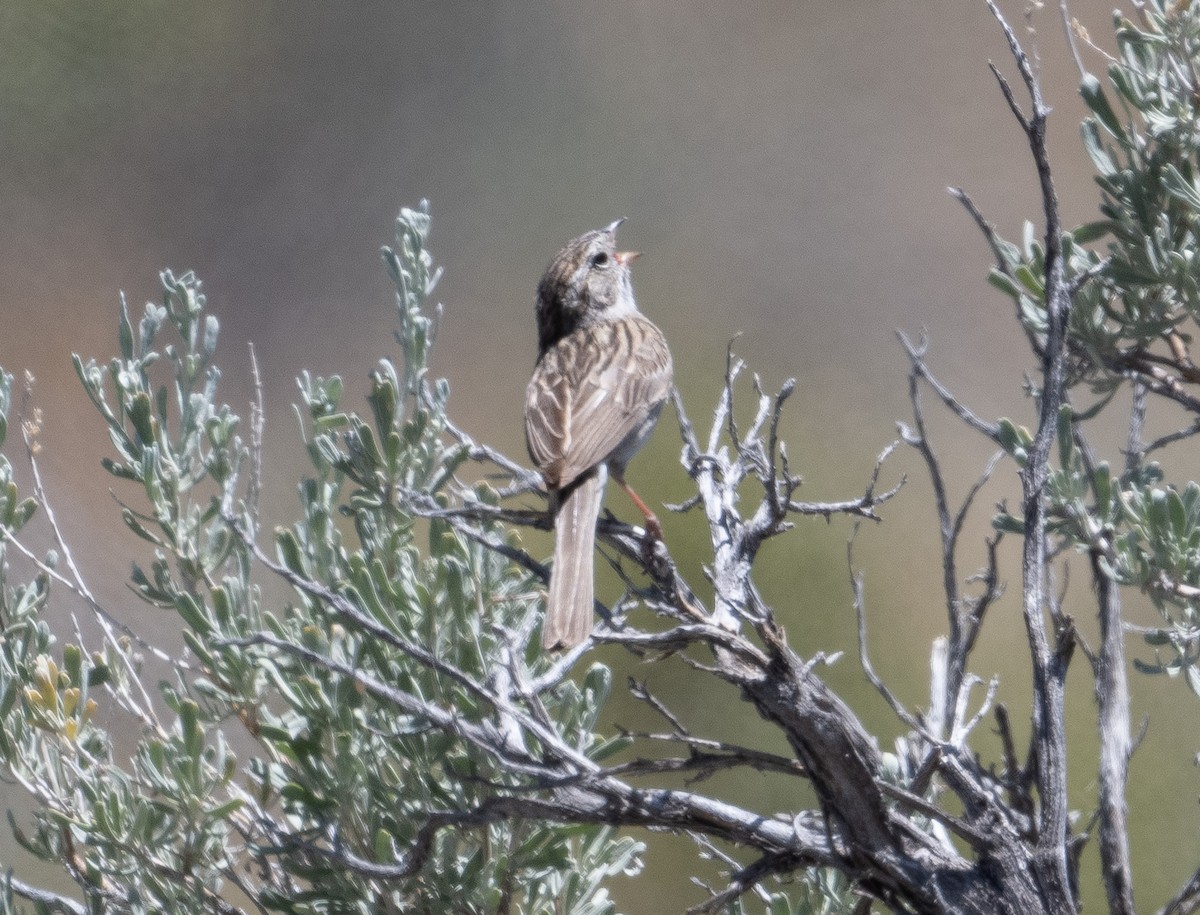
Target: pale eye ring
(599, 260)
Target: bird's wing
(590, 391)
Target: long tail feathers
(571, 598)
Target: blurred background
(783, 165)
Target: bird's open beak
(625, 258)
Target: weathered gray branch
(1050, 863)
(52, 902)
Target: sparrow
(602, 376)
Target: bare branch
(988, 230)
(864, 506)
(856, 583)
(1083, 277)
(52, 902)
(525, 480)
(1187, 900)
(140, 705)
(1006, 91)
(1112, 697)
(965, 615)
(1149, 368)
(916, 353)
(743, 881)
(956, 825)
(1170, 439)
(1049, 668)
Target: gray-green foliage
(1135, 315)
(280, 775)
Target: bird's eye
(599, 260)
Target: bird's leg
(653, 528)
